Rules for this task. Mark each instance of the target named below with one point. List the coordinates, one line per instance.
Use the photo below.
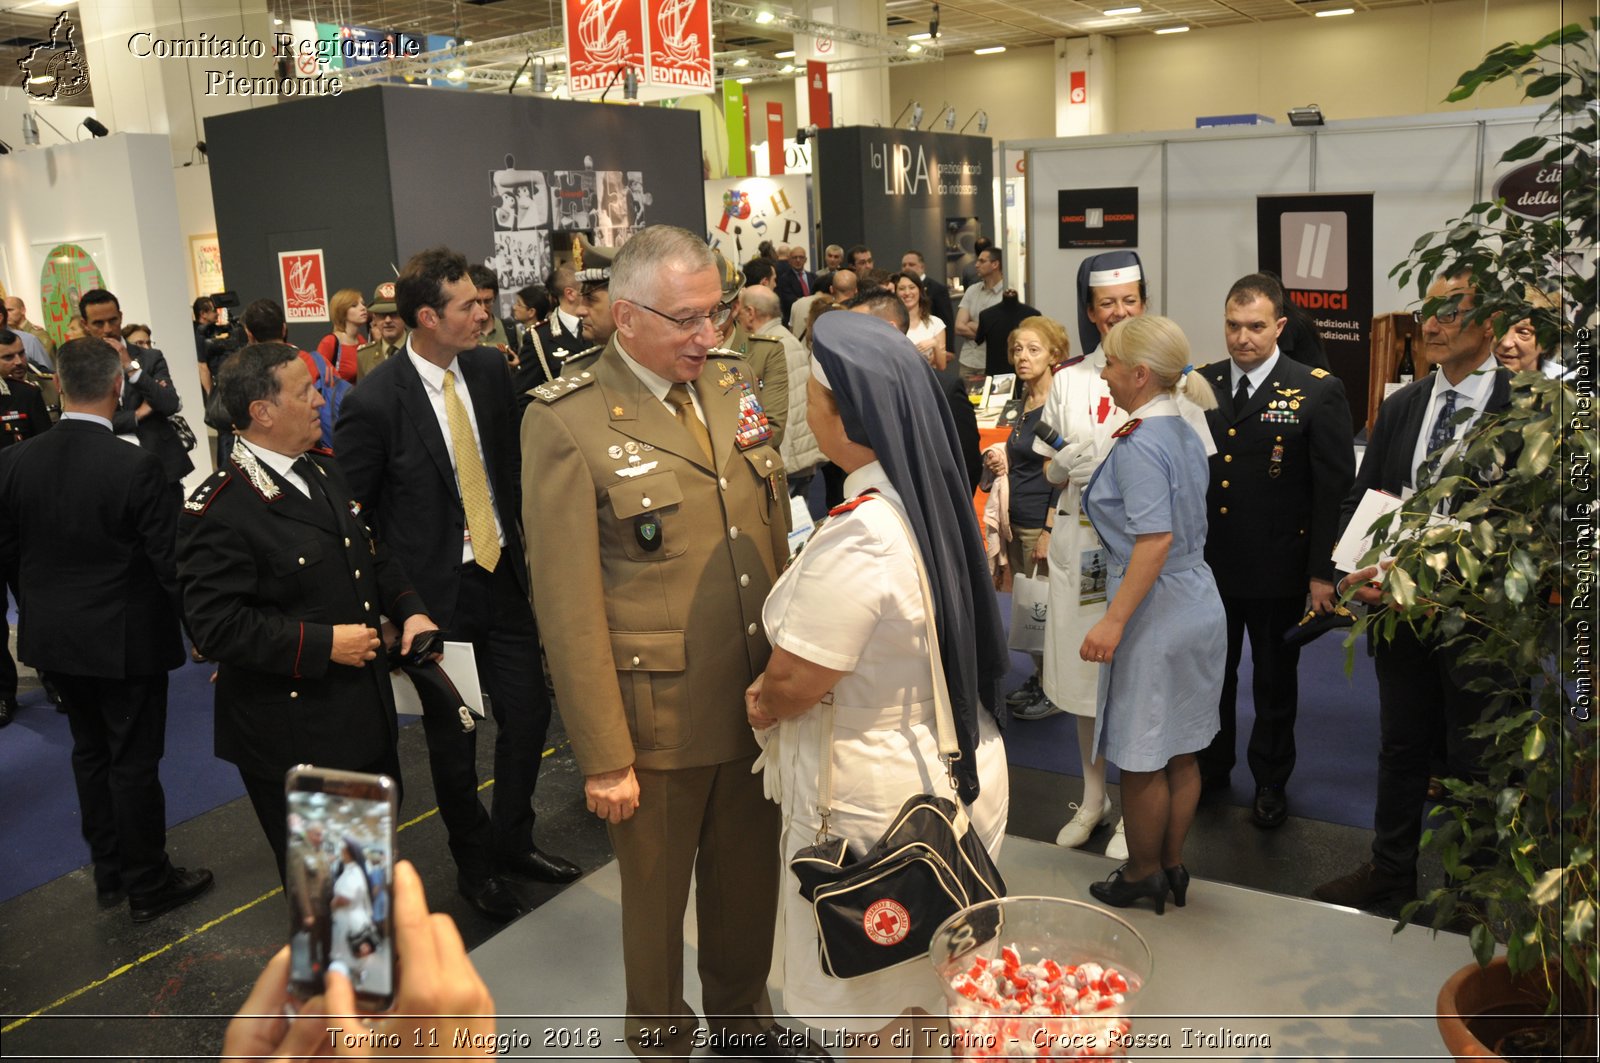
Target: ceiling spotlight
(742, 61)
(916, 116)
(1333, 12)
(456, 74)
(1117, 12)
(983, 122)
(96, 128)
(541, 77)
(933, 22)
(787, 53)
(744, 81)
(949, 118)
(788, 68)
(918, 36)
(804, 133)
(1310, 114)
(913, 48)
(277, 22)
(765, 17)
(993, 50)
(1172, 29)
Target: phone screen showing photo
(339, 881)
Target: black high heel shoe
(1119, 892)
(1178, 879)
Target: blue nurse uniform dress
(1158, 696)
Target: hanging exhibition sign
(666, 44)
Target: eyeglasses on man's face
(1445, 315)
(718, 316)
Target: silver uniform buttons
(636, 662)
(733, 532)
(751, 630)
(744, 580)
(347, 540)
(724, 482)
(294, 693)
(301, 560)
(358, 573)
(645, 501)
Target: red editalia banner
(666, 43)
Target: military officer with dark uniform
(22, 416)
(597, 328)
(655, 477)
(1283, 466)
(560, 337)
(388, 331)
(284, 587)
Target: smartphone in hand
(339, 880)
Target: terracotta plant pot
(1479, 1006)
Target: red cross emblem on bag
(886, 922)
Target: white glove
(1078, 461)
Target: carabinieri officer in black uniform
(284, 587)
(1284, 463)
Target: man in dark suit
(284, 588)
(22, 416)
(149, 399)
(1283, 466)
(795, 282)
(428, 443)
(86, 536)
(1424, 692)
(938, 291)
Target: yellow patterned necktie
(679, 396)
(474, 481)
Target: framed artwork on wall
(67, 269)
(205, 264)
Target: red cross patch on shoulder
(1127, 429)
(845, 507)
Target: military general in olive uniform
(1283, 467)
(388, 331)
(654, 477)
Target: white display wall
(762, 208)
(1198, 189)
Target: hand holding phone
(438, 979)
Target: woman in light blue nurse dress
(1161, 644)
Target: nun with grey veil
(850, 628)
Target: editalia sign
(666, 43)
(1532, 190)
(304, 284)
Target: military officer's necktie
(313, 477)
(680, 398)
(1443, 431)
(1241, 394)
(474, 481)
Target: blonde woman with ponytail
(1161, 644)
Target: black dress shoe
(493, 898)
(1178, 879)
(53, 694)
(1368, 887)
(542, 866)
(1271, 807)
(8, 710)
(182, 886)
(1120, 891)
(775, 1042)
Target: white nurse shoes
(1080, 826)
(1117, 847)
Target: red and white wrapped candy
(1039, 1010)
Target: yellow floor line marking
(197, 931)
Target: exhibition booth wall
(370, 178)
(896, 189)
(1195, 200)
(112, 202)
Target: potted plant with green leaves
(1510, 576)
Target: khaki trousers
(715, 824)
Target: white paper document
(1357, 538)
(460, 664)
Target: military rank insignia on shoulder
(198, 502)
(561, 387)
(846, 507)
(1127, 429)
(1319, 373)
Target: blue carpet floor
(40, 833)
(1336, 734)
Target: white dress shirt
(433, 385)
(659, 385)
(1257, 376)
(282, 464)
(1472, 393)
